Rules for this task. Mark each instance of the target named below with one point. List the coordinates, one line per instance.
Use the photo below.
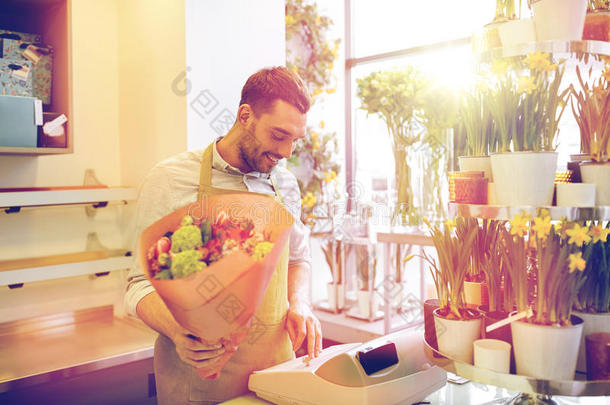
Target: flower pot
(470, 190)
(524, 178)
(514, 32)
(597, 26)
(575, 195)
(598, 174)
(475, 293)
(592, 323)
(598, 356)
(547, 352)
(455, 337)
(368, 303)
(492, 354)
(429, 330)
(476, 164)
(336, 296)
(559, 20)
(491, 194)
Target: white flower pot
(514, 32)
(365, 306)
(559, 19)
(575, 195)
(476, 164)
(492, 354)
(336, 295)
(593, 323)
(491, 194)
(524, 178)
(455, 337)
(598, 174)
(546, 352)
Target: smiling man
(270, 119)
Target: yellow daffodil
(551, 68)
(309, 200)
(599, 233)
(289, 20)
(577, 262)
(329, 176)
(295, 68)
(322, 124)
(315, 144)
(526, 85)
(261, 249)
(499, 67)
(331, 90)
(314, 135)
(518, 225)
(542, 227)
(578, 235)
(450, 223)
(537, 61)
(318, 20)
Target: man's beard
(249, 152)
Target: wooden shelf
(5, 150)
(61, 197)
(20, 271)
(59, 346)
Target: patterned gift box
(42, 70)
(16, 78)
(10, 42)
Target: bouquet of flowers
(211, 262)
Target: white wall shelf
(39, 198)
(10, 277)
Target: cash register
(392, 369)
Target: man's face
(271, 136)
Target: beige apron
(267, 342)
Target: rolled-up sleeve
(154, 201)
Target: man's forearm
(298, 284)
(152, 311)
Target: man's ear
(244, 115)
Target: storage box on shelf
(50, 19)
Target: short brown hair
(267, 85)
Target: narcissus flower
(577, 262)
(329, 176)
(599, 233)
(308, 200)
(289, 20)
(450, 223)
(499, 67)
(261, 250)
(519, 224)
(526, 85)
(578, 235)
(542, 227)
(537, 61)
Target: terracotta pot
(429, 330)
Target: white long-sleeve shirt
(174, 183)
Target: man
(270, 119)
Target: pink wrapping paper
(218, 302)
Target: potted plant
(395, 96)
(333, 253)
(457, 326)
(366, 266)
(592, 113)
(597, 21)
(533, 105)
(475, 278)
(552, 328)
(559, 19)
(593, 300)
(478, 126)
(513, 29)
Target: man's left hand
(301, 323)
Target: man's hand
(301, 323)
(192, 351)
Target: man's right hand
(192, 351)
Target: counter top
(59, 346)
